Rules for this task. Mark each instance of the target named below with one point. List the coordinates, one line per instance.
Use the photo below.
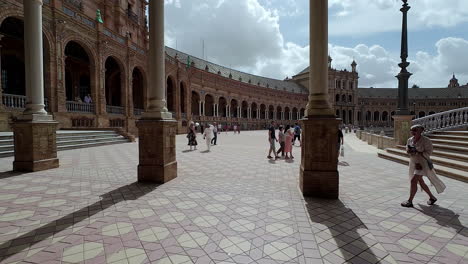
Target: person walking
(208, 135)
(272, 139)
(281, 141)
(288, 141)
(340, 140)
(420, 149)
(192, 136)
(215, 134)
(297, 134)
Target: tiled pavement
(230, 205)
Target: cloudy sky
(271, 37)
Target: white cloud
(246, 36)
(354, 17)
(241, 34)
(378, 68)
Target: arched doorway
(138, 89)
(113, 82)
(245, 109)
(376, 116)
(254, 111)
(183, 98)
(385, 116)
(170, 94)
(209, 102)
(234, 106)
(12, 72)
(421, 114)
(262, 111)
(294, 113)
(278, 112)
(222, 107)
(195, 103)
(287, 115)
(338, 114)
(77, 72)
(351, 117)
(302, 113)
(271, 111)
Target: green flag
(188, 62)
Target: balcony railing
(456, 118)
(132, 16)
(14, 101)
(118, 110)
(77, 107)
(137, 111)
(78, 4)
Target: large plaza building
(98, 49)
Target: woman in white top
(420, 148)
(208, 135)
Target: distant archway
(287, 113)
(254, 111)
(376, 116)
(262, 111)
(244, 110)
(113, 82)
(195, 103)
(170, 94)
(222, 107)
(209, 103)
(294, 113)
(138, 89)
(234, 105)
(183, 98)
(279, 111)
(271, 111)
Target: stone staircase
(450, 155)
(68, 139)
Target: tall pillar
(319, 158)
(156, 128)
(227, 111)
(200, 109)
(35, 130)
(402, 118)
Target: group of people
(287, 137)
(210, 135)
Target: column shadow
(9, 174)
(347, 230)
(131, 191)
(444, 217)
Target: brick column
(156, 128)
(319, 159)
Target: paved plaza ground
(230, 205)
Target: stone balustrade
(79, 107)
(119, 110)
(447, 120)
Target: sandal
(407, 204)
(431, 201)
(269, 157)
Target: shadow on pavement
(444, 216)
(131, 191)
(9, 174)
(346, 228)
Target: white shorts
(418, 172)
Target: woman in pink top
(288, 142)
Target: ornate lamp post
(402, 118)
(404, 75)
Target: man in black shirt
(272, 139)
